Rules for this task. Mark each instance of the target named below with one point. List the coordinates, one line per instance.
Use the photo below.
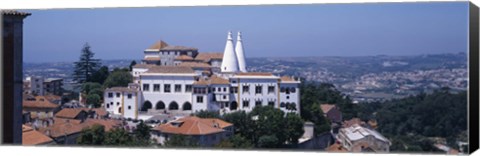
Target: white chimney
(229, 62)
(242, 65)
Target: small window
(258, 89)
(118, 94)
(166, 88)
(199, 99)
(110, 95)
(233, 90)
(282, 104)
(271, 103)
(292, 90)
(288, 97)
(245, 89)
(188, 88)
(224, 89)
(245, 103)
(258, 103)
(108, 105)
(129, 107)
(156, 87)
(271, 89)
(224, 97)
(129, 96)
(178, 88)
(146, 87)
(118, 103)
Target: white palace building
(180, 80)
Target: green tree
(181, 141)
(118, 137)
(237, 141)
(100, 75)
(92, 136)
(86, 66)
(133, 63)
(142, 134)
(207, 114)
(294, 127)
(94, 99)
(88, 86)
(118, 78)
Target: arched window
(146, 106)
(173, 106)
(282, 104)
(292, 90)
(233, 105)
(160, 105)
(187, 106)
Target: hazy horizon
(370, 29)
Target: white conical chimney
(229, 62)
(242, 65)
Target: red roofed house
(33, 137)
(41, 111)
(207, 132)
(332, 112)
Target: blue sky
(268, 30)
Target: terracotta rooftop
(51, 97)
(206, 57)
(327, 107)
(194, 64)
(60, 129)
(169, 69)
(69, 113)
(193, 125)
(63, 120)
(336, 147)
(287, 79)
(178, 48)
(255, 74)
(218, 80)
(39, 102)
(158, 45)
(201, 81)
(353, 121)
(33, 137)
(15, 13)
(108, 124)
(184, 58)
(121, 89)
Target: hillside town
(179, 96)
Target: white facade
(182, 90)
(242, 64)
(36, 85)
(230, 62)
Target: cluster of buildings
(38, 85)
(179, 80)
(46, 122)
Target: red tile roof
(151, 58)
(326, 107)
(158, 45)
(193, 125)
(69, 113)
(39, 102)
(33, 137)
(194, 64)
(206, 57)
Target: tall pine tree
(86, 66)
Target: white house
(193, 81)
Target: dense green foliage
(411, 121)
(100, 75)
(118, 78)
(264, 127)
(93, 93)
(86, 66)
(237, 141)
(96, 135)
(207, 114)
(180, 141)
(313, 94)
